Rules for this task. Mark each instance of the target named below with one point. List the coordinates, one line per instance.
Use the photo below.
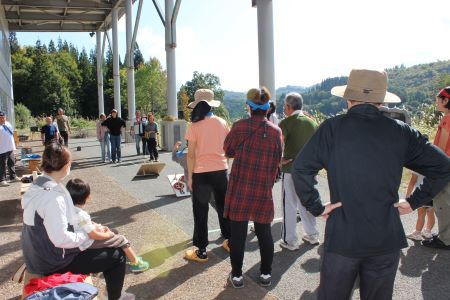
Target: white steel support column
(116, 71)
(130, 60)
(266, 45)
(101, 104)
(170, 61)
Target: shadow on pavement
(167, 281)
(7, 270)
(430, 264)
(116, 216)
(144, 177)
(164, 200)
(434, 284)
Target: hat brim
(388, 98)
(212, 103)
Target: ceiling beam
(53, 27)
(54, 17)
(78, 4)
(65, 14)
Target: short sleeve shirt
(62, 123)
(83, 223)
(209, 135)
(49, 131)
(83, 220)
(444, 124)
(153, 128)
(6, 138)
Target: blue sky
(313, 39)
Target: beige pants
(441, 205)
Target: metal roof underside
(60, 15)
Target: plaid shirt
(255, 145)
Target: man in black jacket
(364, 154)
(115, 124)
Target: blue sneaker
(140, 266)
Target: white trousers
(291, 203)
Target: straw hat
(366, 86)
(204, 95)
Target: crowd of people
(363, 151)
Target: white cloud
(328, 38)
(151, 43)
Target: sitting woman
(48, 241)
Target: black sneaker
(265, 280)
(236, 282)
(435, 242)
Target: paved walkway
(160, 227)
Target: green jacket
(297, 129)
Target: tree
(138, 57)
(67, 67)
(151, 86)
(51, 47)
(48, 89)
(13, 42)
(22, 116)
(183, 101)
(108, 81)
(207, 81)
(87, 94)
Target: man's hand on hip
(403, 207)
(329, 207)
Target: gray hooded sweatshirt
(48, 240)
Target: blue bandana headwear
(254, 106)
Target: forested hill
(414, 85)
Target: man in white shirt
(7, 148)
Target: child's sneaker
(416, 236)
(128, 262)
(140, 266)
(426, 234)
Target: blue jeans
(137, 139)
(115, 147)
(105, 146)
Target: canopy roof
(60, 15)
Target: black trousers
(237, 246)
(376, 274)
(202, 185)
(110, 261)
(65, 136)
(151, 143)
(7, 159)
(145, 150)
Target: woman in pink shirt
(440, 202)
(207, 170)
(103, 138)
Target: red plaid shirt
(255, 145)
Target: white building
(6, 89)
